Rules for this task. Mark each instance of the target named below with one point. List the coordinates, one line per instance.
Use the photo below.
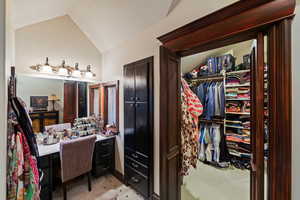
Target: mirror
(52, 101)
(104, 102)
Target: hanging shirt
(191, 109)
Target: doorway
(196, 38)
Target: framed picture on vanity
(39, 102)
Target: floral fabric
(22, 175)
(191, 108)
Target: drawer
(139, 182)
(139, 157)
(50, 114)
(99, 170)
(100, 158)
(137, 166)
(44, 162)
(105, 146)
(46, 177)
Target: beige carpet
(209, 183)
(104, 188)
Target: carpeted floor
(104, 188)
(209, 183)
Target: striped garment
(194, 105)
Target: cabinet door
(129, 83)
(129, 125)
(69, 101)
(82, 99)
(141, 81)
(142, 128)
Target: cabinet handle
(131, 104)
(135, 180)
(137, 98)
(134, 165)
(134, 155)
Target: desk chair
(76, 159)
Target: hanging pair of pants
(215, 134)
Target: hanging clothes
(191, 109)
(22, 168)
(212, 97)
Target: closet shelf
(237, 127)
(238, 85)
(241, 99)
(238, 113)
(239, 72)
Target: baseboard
(119, 176)
(155, 197)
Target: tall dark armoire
(138, 125)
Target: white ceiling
(105, 22)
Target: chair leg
(65, 190)
(89, 181)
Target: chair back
(76, 157)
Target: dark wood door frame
(238, 22)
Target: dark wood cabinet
(42, 119)
(82, 99)
(138, 125)
(104, 157)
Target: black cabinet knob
(134, 165)
(134, 155)
(135, 180)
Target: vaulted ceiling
(106, 23)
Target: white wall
(144, 45)
(59, 39)
(296, 106)
(3, 102)
(32, 86)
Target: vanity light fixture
(46, 68)
(76, 73)
(62, 70)
(88, 73)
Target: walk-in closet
(216, 89)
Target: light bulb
(46, 69)
(88, 75)
(76, 73)
(63, 72)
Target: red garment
(194, 105)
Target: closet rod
(207, 79)
(217, 121)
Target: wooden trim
(239, 17)
(212, 18)
(280, 111)
(119, 176)
(104, 100)
(155, 196)
(257, 121)
(91, 97)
